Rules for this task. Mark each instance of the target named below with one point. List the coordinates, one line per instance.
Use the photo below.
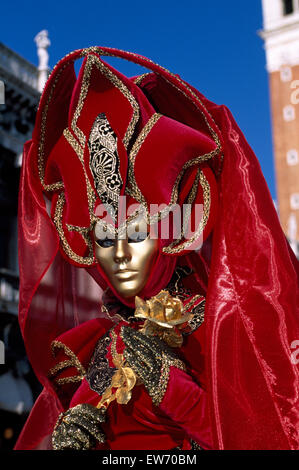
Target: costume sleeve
(72, 352)
(186, 404)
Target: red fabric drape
(251, 315)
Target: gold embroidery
(41, 155)
(191, 303)
(99, 372)
(136, 57)
(151, 359)
(185, 85)
(198, 316)
(157, 394)
(76, 363)
(174, 197)
(60, 366)
(134, 190)
(74, 144)
(139, 79)
(172, 248)
(207, 205)
(193, 192)
(120, 231)
(104, 161)
(75, 228)
(93, 60)
(79, 148)
(177, 289)
(79, 428)
(90, 192)
(113, 345)
(112, 316)
(164, 315)
(66, 247)
(72, 362)
(84, 232)
(68, 380)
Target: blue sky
(212, 44)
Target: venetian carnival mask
(127, 262)
(105, 141)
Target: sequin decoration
(79, 428)
(197, 319)
(151, 359)
(99, 374)
(104, 161)
(73, 361)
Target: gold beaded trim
(158, 393)
(94, 60)
(136, 56)
(113, 345)
(61, 365)
(140, 78)
(134, 190)
(170, 249)
(193, 192)
(197, 319)
(84, 231)
(91, 61)
(74, 144)
(91, 197)
(89, 260)
(207, 206)
(79, 150)
(68, 380)
(79, 428)
(98, 50)
(59, 345)
(41, 149)
(191, 303)
(72, 362)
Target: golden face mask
(126, 262)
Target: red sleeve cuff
(186, 404)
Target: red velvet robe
(181, 416)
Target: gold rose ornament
(164, 315)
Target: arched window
(288, 7)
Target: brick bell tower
(281, 36)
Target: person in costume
(190, 346)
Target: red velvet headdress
(165, 132)
(110, 141)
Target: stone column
(42, 42)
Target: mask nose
(122, 252)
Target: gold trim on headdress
(77, 139)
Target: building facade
(281, 36)
(20, 86)
(19, 97)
